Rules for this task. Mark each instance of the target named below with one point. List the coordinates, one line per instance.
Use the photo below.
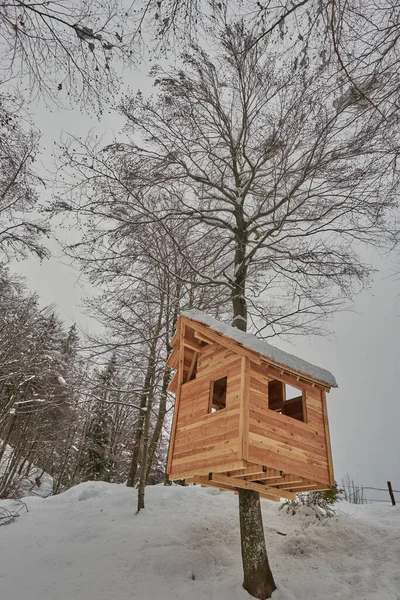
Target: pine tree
(98, 439)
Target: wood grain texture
(289, 465)
(245, 439)
(244, 397)
(248, 485)
(226, 465)
(328, 439)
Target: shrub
(320, 503)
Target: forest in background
(63, 414)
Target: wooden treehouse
(247, 415)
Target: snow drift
(88, 544)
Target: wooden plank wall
(284, 443)
(204, 440)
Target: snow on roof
(252, 342)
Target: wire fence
(357, 494)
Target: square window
(286, 399)
(218, 394)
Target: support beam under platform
(270, 483)
(206, 482)
(248, 485)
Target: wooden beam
(193, 345)
(222, 468)
(271, 480)
(266, 472)
(192, 366)
(206, 482)
(269, 497)
(295, 482)
(308, 488)
(173, 384)
(255, 476)
(249, 470)
(203, 338)
(295, 486)
(244, 408)
(248, 485)
(277, 481)
(173, 358)
(304, 405)
(327, 439)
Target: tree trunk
(145, 448)
(148, 406)
(141, 418)
(7, 436)
(258, 579)
(162, 409)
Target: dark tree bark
(132, 475)
(145, 450)
(258, 579)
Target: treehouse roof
(264, 349)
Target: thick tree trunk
(258, 579)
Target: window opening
(286, 399)
(218, 394)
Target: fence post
(391, 493)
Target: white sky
(363, 352)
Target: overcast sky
(363, 351)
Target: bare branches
(278, 22)
(66, 50)
(277, 175)
(20, 233)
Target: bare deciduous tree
(290, 176)
(146, 281)
(288, 179)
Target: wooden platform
(271, 484)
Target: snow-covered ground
(36, 483)
(88, 544)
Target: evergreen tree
(97, 461)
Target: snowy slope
(87, 544)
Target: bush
(321, 503)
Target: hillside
(87, 544)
